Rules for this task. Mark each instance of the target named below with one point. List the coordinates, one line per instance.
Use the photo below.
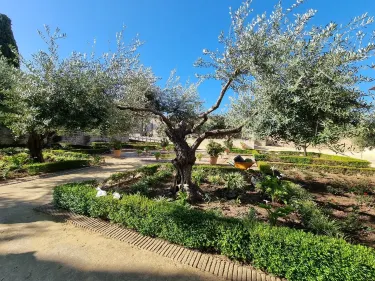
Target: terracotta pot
(157, 158)
(117, 152)
(227, 151)
(213, 160)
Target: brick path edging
(206, 262)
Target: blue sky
(174, 31)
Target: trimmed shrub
(100, 144)
(92, 150)
(325, 168)
(265, 168)
(216, 168)
(332, 161)
(289, 253)
(149, 170)
(51, 167)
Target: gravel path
(34, 246)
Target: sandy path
(35, 247)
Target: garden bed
(149, 207)
(15, 163)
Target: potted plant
(214, 149)
(157, 155)
(228, 143)
(199, 156)
(164, 143)
(116, 144)
(139, 152)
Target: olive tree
(53, 93)
(248, 51)
(310, 94)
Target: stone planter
(213, 160)
(117, 152)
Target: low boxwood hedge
(38, 168)
(345, 170)
(92, 151)
(332, 161)
(285, 252)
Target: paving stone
(204, 262)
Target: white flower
(100, 192)
(116, 195)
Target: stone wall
(82, 138)
(8, 139)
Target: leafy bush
(274, 214)
(91, 151)
(199, 156)
(9, 151)
(330, 160)
(289, 253)
(265, 168)
(198, 175)
(325, 168)
(214, 149)
(164, 142)
(157, 155)
(215, 179)
(149, 170)
(116, 144)
(213, 169)
(118, 177)
(51, 167)
(234, 181)
(100, 144)
(314, 219)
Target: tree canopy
(7, 41)
(309, 94)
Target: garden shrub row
(92, 151)
(345, 170)
(50, 167)
(141, 146)
(341, 161)
(285, 252)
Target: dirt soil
(35, 247)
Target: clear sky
(174, 31)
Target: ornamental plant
(214, 149)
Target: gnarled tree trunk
(35, 146)
(184, 161)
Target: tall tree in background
(7, 41)
(310, 94)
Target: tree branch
(142, 109)
(215, 133)
(205, 114)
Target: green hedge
(345, 170)
(296, 153)
(339, 161)
(285, 252)
(91, 151)
(38, 168)
(265, 168)
(244, 151)
(218, 168)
